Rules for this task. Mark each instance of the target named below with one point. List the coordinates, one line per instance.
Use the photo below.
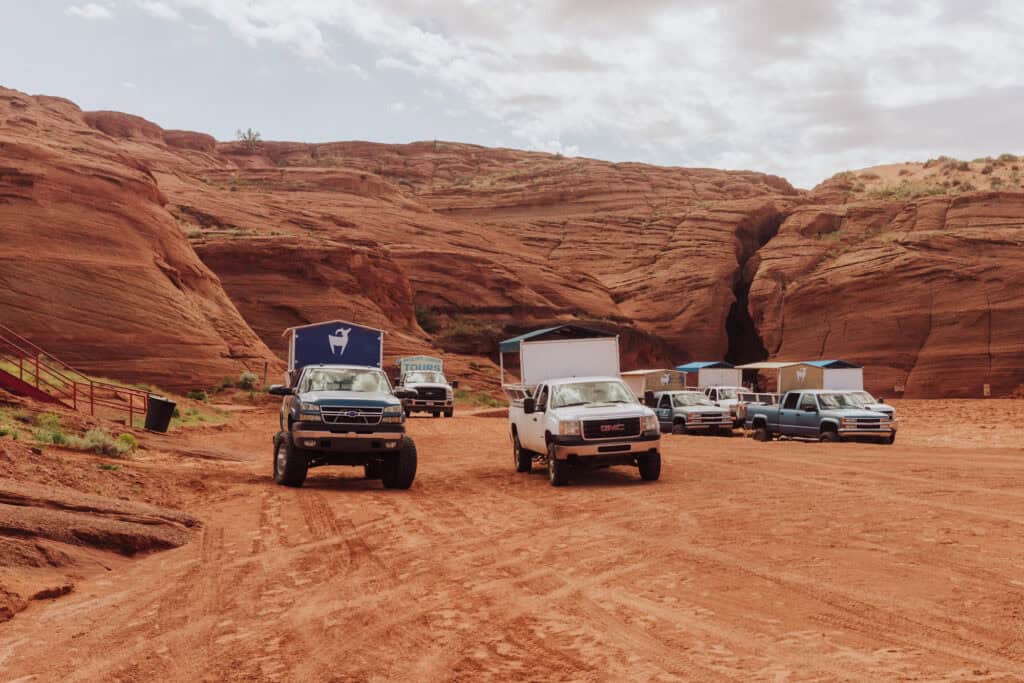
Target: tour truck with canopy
(434, 393)
(570, 410)
(339, 408)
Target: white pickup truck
(571, 410)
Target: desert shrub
(987, 169)
(967, 186)
(1006, 156)
(427, 319)
(995, 182)
(100, 442)
(249, 138)
(904, 171)
(48, 430)
(197, 395)
(473, 365)
(963, 166)
(247, 380)
(477, 399)
(226, 383)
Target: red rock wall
(94, 269)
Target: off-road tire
(724, 431)
(558, 470)
(889, 440)
(399, 471)
(678, 427)
(762, 434)
(436, 413)
(649, 465)
(374, 469)
(829, 436)
(449, 412)
(292, 471)
(522, 458)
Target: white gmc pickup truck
(569, 421)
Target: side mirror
(403, 393)
(881, 400)
(649, 399)
(280, 390)
(529, 405)
(454, 384)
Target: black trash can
(159, 412)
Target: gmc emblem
(613, 428)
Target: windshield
(337, 379)
(838, 401)
(726, 393)
(690, 399)
(862, 398)
(583, 393)
(424, 377)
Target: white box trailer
(562, 352)
(712, 374)
(642, 381)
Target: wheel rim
(282, 458)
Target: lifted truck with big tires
(343, 415)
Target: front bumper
(425, 404)
(852, 433)
(348, 442)
(569, 446)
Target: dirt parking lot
(747, 561)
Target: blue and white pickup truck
(684, 412)
(824, 414)
(341, 413)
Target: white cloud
(357, 71)
(160, 10)
(90, 10)
(794, 87)
(128, 84)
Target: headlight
(650, 423)
(309, 412)
(393, 415)
(569, 428)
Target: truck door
(807, 416)
(665, 409)
(532, 436)
(788, 414)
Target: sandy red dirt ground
(747, 561)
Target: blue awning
(700, 365)
(832, 364)
(549, 333)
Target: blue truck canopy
(549, 333)
(701, 365)
(335, 342)
(832, 364)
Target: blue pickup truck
(823, 414)
(341, 413)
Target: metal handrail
(59, 382)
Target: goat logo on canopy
(801, 374)
(339, 340)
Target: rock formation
(141, 252)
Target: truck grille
(354, 415)
(611, 429)
(710, 418)
(431, 394)
(868, 423)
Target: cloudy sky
(801, 88)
